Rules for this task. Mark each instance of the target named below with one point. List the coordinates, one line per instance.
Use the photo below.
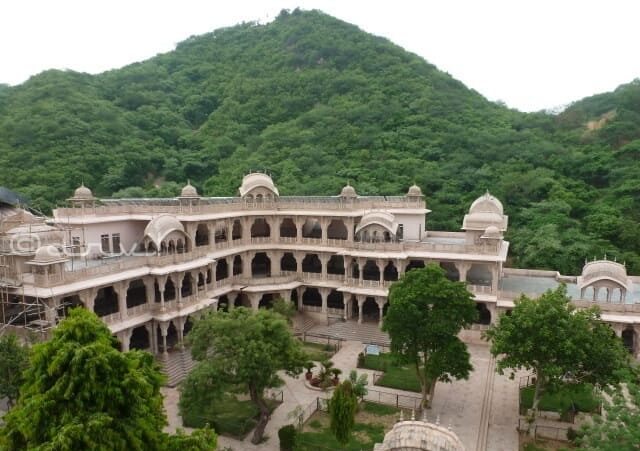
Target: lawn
(372, 422)
(318, 352)
(228, 416)
(581, 395)
(400, 376)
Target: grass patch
(317, 352)
(372, 422)
(379, 409)
(400, 376)
(580, 395)
(228, 416)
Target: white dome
(82, 193)
(604, 269)
(414, 191)
(189, 191)
(48, 254)
(161, 226)
(419, 435)
(486, 204)
(348, 191)
(381, 218)
(257, 180)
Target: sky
(531, 55)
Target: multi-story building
(146, 266)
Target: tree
(80, 392)
(619, 427)
(342, 410)
(285, 308)
(14, 359)
(199, 440)
(241, 350)
(551, 338)
(426, 312)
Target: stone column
(350, 226)
(324, 224)
(149, 290)
(125, 339)
(246, 229)
(299, 292)
(347, 304)
(324, 260)
(299, 257)
(299, 224)
(164, 329)
(162, 282)
(179, 323)
(230, 231)
(275, 257)
(153, 339)
(495, 279)
(381, 301)
(380, 264)
(361, 263)
(275, 229)
(360, 298)
(347, 268)
(401, 265)
(246, 264)
(232, 301)
(88, 298)
(254, 298)
(180, 278)
(121, 290)
(463, 268)
(324, 293)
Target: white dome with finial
(348, 191)
(189, 190)
(414, 191)
(82, 193)
(48, 254)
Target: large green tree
(619, 427)
(241, 350)
(14, 359)
(426, 312)
(551, 338)
(81, 393)
(342, 411)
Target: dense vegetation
(318, 102)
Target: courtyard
(482, 411)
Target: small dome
(348, 191)
(419, 435)
(48, 254)
(486, 204)
(492, 232)
(161, 226)
(414, 191)
(604, 269)
(189, 191)
(257, 180)
(82, 193)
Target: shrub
(361, 360)
(287, 436)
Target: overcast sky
(531, 55)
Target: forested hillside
(318, 102)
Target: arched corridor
(484, 315)
(390, 272)
(370, 271)
(187, 285)
(311, 297)
(136, 293)
(202, 235)
(288, 228)
(261, 265)
(479, 275)
(335, 300)
(221, 234)
(629, 340)
(311, 229)
(222, 269)
(266, 301)
(337, 230)
(106, 302)
(450, 271)
(370, 310)
(311, 263)
(288, 262)
(236, 230)
(336, 265)
(237, 265)
(413, 264)
(140, 338)
(169, 290)
(260, 228)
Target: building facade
(147, 266)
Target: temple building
(147, 266)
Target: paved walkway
(482, 411)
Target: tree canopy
(14, 360)
(241, 350)
(80, 393)
(342, 411)
(551, 338)
(318, 102)
(426, 312)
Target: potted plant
(336, 375)
(309, 366)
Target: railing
(312, 308)
(482, 289)
(393, 399)
(237, 204)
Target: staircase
(302, 323)
(176, 366)
(367, 332)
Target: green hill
(318, 102)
